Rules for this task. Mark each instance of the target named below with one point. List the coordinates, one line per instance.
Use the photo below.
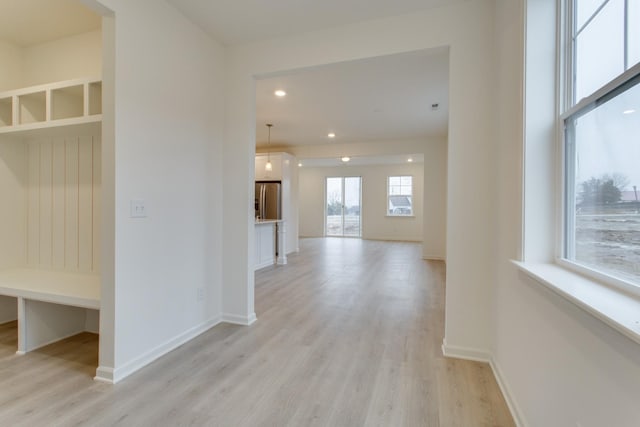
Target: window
(601, 145)
(399, 196)
(605, 36)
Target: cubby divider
(56, 105)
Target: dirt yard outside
(610, 242)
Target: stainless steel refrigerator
(267, 200)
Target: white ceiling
(383, 98)
(234, 22)
(362, 160)
(28, 22)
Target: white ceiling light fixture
(410, 159)
(299, 165)
(269, 167)
(345, 159)
(280, 93)
(331, 135)
(629, 111)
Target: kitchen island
(268, 232)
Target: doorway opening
(343, 202)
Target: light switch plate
(138, 209)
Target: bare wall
(163, 147)
(376, 224)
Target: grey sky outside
(608, 138)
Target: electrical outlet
(138, 209)
(200, 294)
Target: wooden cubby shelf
(46, 107)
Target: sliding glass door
(342, 207)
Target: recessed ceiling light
(345, 159)
(331, 135)
(630, 111)
(299, 165)
(409, 160)
(280, 93)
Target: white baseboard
(486, 357)
(516, 413)
(465, 353)
(111, 375)
(264, 264)
(239, 319)
(104, 375)
(433, 258)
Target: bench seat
(74, 289)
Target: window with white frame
(601, 141)
(399, 196)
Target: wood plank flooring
(348, 334)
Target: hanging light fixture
(269, 167)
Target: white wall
(13, 209)
(434, 238)
(63, 59)
(376, 225)
(434, 217)
(561, 366)
(467, 28)
(11, 57)
(161, 144)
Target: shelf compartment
(6, 111)
(95, 98)
(32, 107)
(67, 102)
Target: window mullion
(591, 18)
(626, 34)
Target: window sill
(400, 216)
(614, 307)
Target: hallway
(348, 334)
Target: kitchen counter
(267, 221)
(267, 233)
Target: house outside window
(601, 118)
(399, 196)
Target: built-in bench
(51, 305)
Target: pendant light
(269, 167)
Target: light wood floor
(348, 334)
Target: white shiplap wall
(63, 203)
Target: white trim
(43, 87)
(236, 319)
(514, 408)
(268, 263)
(600, 276)
(465, 353)
(484, 356)
(616, 308)
(104, 375)
(604, 90)
(433, 258)
(114, 375)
